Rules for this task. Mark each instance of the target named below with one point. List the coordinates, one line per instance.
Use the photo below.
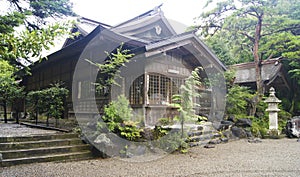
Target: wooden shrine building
(273, 75)
(162, 61)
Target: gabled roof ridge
(263, 62)
(93, 21)
(155, 10)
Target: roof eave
(158, 47)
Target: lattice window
(176, 83)
(162, 88)
(137, 91)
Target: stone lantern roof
(272, 98)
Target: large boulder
(238, 132)
(103, 139)
(109, 144)
(293, 127)
(225, 124)
(231, 118)
(135, 150)
(243, 123)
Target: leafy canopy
(254, 30)
(9, 87)
(231, 29)
(25, 29)
(49, 100)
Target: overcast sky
(113, 12)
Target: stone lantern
(273, 110)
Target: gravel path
(11, 129)
(236, 158)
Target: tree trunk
(258, 66)
(5, 111)
(257, 59)
(17, 116)
(47, 121)
(182, 124)
(36, 116)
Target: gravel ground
(11, 129)
(236, 158)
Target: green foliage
(130, 130)
(261, 108)
(49, 101)
(229, 76)
(110, 69)
(77, 130)
(283, 117)
(9, 21)
(165, 121)
(173, 141)
(286, 45)
(20, 47)
(35, 14)
(159, 132)
(250, 30)
(237, 100)
(6, 69)
(118, 111)
(49, 8)
(9, 87)
(228, 49)
(56, 96)
(24, 32)
(117, 116)
(260, 127)
(185, 100)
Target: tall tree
(247, 26)
(9, 88)
(25, 29)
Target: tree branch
(281, 30)
(248, 36)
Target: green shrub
(117, 117)
(238, 100)
(49, 101)
(130, 131)
(159, 132)
(77, 130)
(283, 117)
(259, 126)
(118, 111)
(165, 121)
(261, 110)
(173, 141)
